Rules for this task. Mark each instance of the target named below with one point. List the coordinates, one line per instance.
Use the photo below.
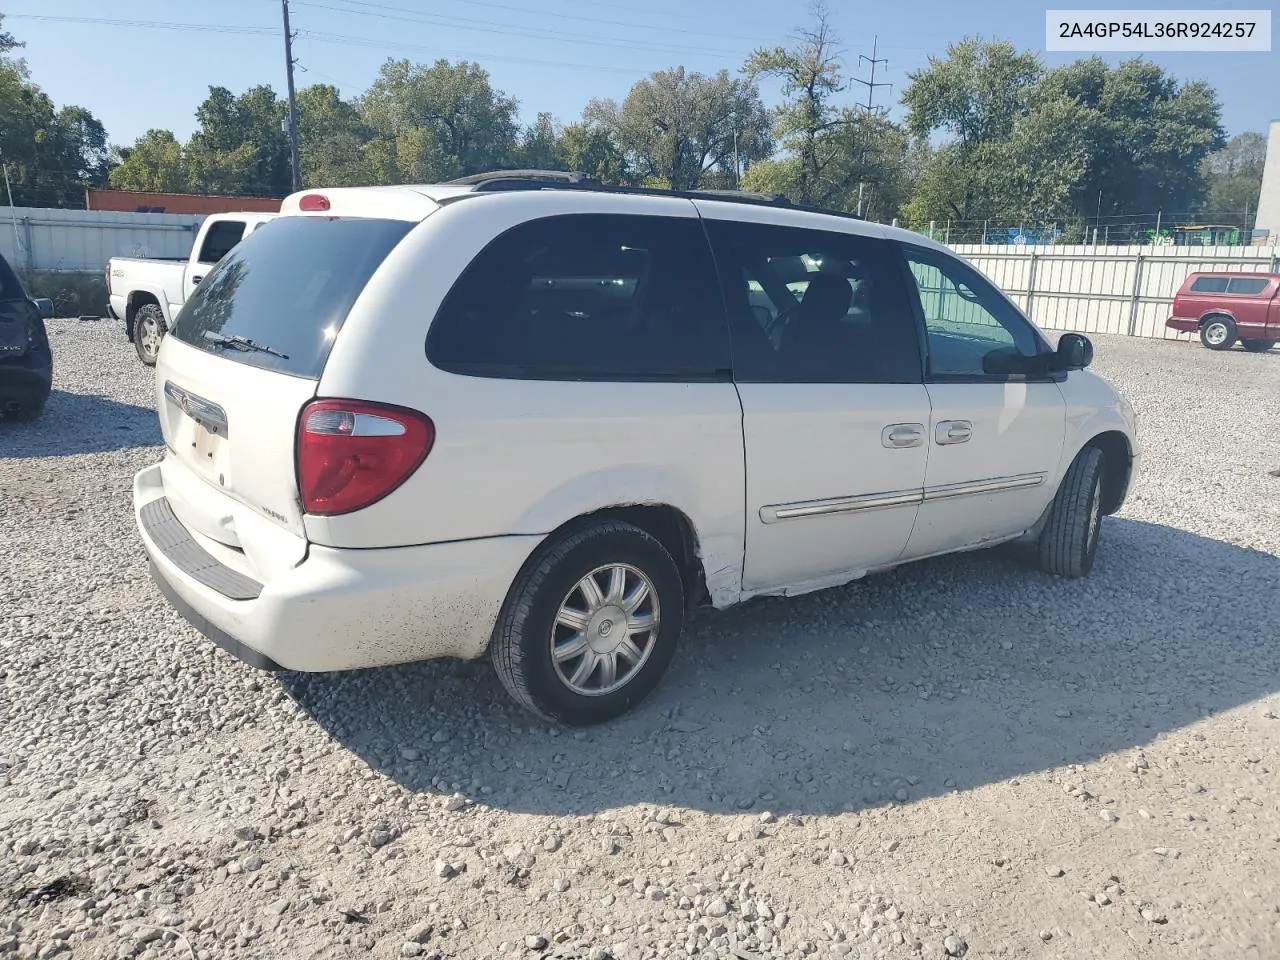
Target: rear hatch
(19, 320)
(244, 356)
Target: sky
(552, 55)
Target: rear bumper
(25, 382)
(337, 609)
(1183, 324)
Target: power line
(148, 24)
(534, 33)
(630, 25)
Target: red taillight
(313, 202)
(352, 453)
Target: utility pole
(869, 109)
(293, 100)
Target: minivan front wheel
(591, 624)
(1069, 540)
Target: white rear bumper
(337, 609)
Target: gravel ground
(960, 758)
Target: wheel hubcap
(605, 630)
(1215, 333)
(150, 337)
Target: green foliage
(50, 154)
(472, 125)
(811, 75)
(154, 163)
(675, 126)
(1026, 144)
(1234, 178)
(74, 293)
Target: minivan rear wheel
(590, 624)
(1218, 333)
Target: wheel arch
(136, 300)
(667, 524)
(1117, 467)
(1216, 312)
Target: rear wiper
(242, 343)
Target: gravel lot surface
(961, 758)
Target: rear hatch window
(279, 298)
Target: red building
(129, 201)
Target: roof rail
(528, 179)
(503, 180)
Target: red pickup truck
(1226, 307)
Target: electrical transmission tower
(869, 108)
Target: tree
(589, 148)
(1146, 136)
(240, 146)
(976, 93)
(153, 164)
(674, 127)
(811, 77)
(473, 124)
(862, 153)
(1234, 178)
(332, 139)
(50, 155)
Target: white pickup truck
(148, 293)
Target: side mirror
(1075, 352)
(45, 306)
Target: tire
(1257, 346)
(1218, 333)
(1069, 541)
(551, 581)
(149, 329)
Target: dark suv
(26, 363)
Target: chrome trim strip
(898, 498)
(947, 491)
(818, 508)
(204, 412)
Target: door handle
(952, 431)
(196, 280)
(899, 435)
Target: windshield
(279, 298)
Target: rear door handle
(952, 431)
(899, 435)
(195, 280)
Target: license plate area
(202, 433)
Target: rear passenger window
(1247, 286)
(815, 306)
(587, 297)
(1210, 285)
(222, 236)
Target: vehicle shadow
(949, 673)
(79, 423)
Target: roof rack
(522, 179)
(503, 180)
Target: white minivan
(530, 416)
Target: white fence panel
(51, 239)
(1090, 289)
